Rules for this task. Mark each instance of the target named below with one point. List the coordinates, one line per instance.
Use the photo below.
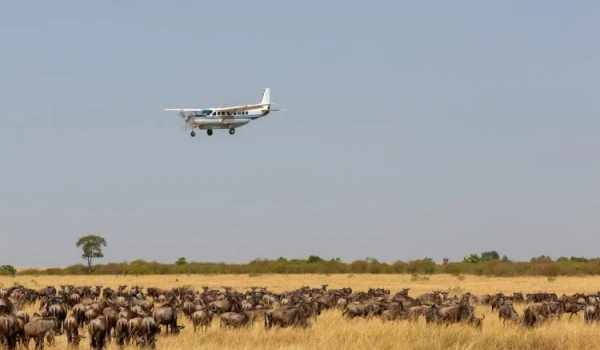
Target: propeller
(185, 118)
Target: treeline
(473, 264)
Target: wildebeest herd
(134, 316)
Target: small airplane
(226, 117)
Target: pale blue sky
(414, 129)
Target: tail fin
(266, 99)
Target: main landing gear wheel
(231, 131)
(209, 132)
(193, 133)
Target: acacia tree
(92, 248)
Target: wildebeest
(149, 328)
(393, 315)
(38, 329)
(224, 305)
(71, 329)
(531, 319)
(235, 319)
(58, 311)
(362, 310)
(540, 309)
(508, 313)
(10, 328)
(453, 314)
(166, 315)
(288, 316)
(111, 315)
(97, 329)
(591, 313)
(573, 308)
(121, 332)
(202, 318)
(133, 329)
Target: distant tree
(562, 259)
(505, 258)
(8, 270)
(92, 248)
(445, 261)
(541, 259)
(181, 261)
(578, 259)
(472, 258)
(315, 259)
(491, 255)
(337, 260)
(371, 260)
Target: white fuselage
(225, 117)
(213, 118)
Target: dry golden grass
(332, 332)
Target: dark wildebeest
(592, 313)
(530, 319)
(235, 319)
(10, 328)
(286, 317)
(79, 313)
(97, 332)
(202, 318)
(454, 314)
(166, 315)
(540, 309)
(497, 301)
(415, 311)
(90, 315)
(393, 315)
(38, 329)
(188, 308)
(126, 314)
(71, 329)
(121, 332)
(133, 329)
(224, 305)
(59, 312)
(146, 305)
(429, 298)
(556, 307)
(147, 335)
(508, 313)
(111, 315)
(573, 308)
(476, 322)
(363, 310)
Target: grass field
(331, 331)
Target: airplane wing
(222, 109)
(243, 108)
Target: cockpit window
(206, 112)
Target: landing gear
(209, 132)
(193, 133)
(231, 131)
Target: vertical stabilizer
(266, 98)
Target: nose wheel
(209, 132)
(231, 131)
(193, 133)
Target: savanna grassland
(331, 331)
